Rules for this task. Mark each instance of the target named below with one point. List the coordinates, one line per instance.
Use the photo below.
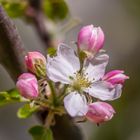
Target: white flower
(65, 68)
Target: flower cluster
(27, 83)
(78, 77)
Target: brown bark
(11, 46)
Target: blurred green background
(120, 20)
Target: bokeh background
(120, 20)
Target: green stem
(61, 97)
(53, 92)
(49, 119)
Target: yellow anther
(80, 82)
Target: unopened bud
(115, 77)
(100, 112)
(36, 63)
(28, 86)
(90, 39)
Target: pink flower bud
(91, 38)
(100, 112)
(27, 85)
(36, 63)
(115, 77)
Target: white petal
(75, 104)
(105, 91)
(68, 54)
(95, 68)
(57, 71)
(62, 66)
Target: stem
(11, 46)
(52, 90)
(61, 97)
(49, 119)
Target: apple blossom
(100, 112)
(73, 80)
(115, 77)
(36, 63)
(27, 85)
(65, 68)
(90, 39)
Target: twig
(35, 13)
(11, 47)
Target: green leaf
(10, 96)
(3, 99)
(14, 8)
(41, 133)
(55, 9)
(14, 94)
(26, 111)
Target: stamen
(80, 81)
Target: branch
(64, 128)
(11, 47)
(35, 13)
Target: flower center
(80, 82)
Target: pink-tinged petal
(36, 62)
(115, 77)
(84, 36)
(97, 43)
(62, 66)
(105, 91)
(112, 73)
(27, 85)
(90, 38)
(99, 112)
(95, 67)
(25, 76)
(75, 104)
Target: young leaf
(3, 98)
(41, 133)
(14, 8)
(14, 94)
(10, 96)
(26, 111)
